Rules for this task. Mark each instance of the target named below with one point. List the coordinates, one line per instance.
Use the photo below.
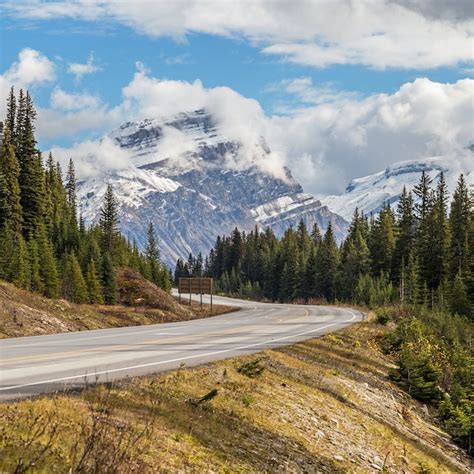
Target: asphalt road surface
(40, 364)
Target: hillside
(23, 313)
(324, 405)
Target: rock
(338, 458)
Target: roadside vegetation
(324, 405)
(140, 302)
(45, 246)
(415, 263)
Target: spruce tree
(355, 263)
(71, 190)
(73, 285)
(48, 266)
(4, 209)
(460, 303)
(326, 267)
(405, 228)
(31, 177)
(109, 283)
(316, 235)
(36, 282)
(109, 222)
(439, 241)
(10, 121)
(382, 242)
(19, 272)
(459, 229)
(10, 170)
(425, 219)
(93, 284)
(152, 256)
(308, 289)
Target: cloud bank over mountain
(330, 138)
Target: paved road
(33, 365)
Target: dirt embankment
(323, 405)
(23, 313)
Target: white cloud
(93, 157)
(330, 144)
(380, 34)
(31, 69)
(298, 93)
(54, 123)
(325, 144)
(330, 139)
(66, 101)
(80, 70)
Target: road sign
(198, 286)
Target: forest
(414, 265)
(45, 245)
(416, 254)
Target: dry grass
(23, 313)
(323, 405)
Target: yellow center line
(111, 348)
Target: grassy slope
(23, 313)
(320, 406)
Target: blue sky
(289, 64)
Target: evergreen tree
(316, 235)
(10, 121)
(459, 229)
(4, 210)
(19, 271)
(9, 169)
(304, 240)
(109, 222)
(382, 242)
(439, 240)
(48, 266)
(31, 177)
(152, 256)
(93, 284)
(355, 263)
(73, 284)
(405, 227)
(326, 267)
(71, 190)
(309, 278)
(289, 289)
(425, 218)
(109, 283)
(460, 303)
(36, 282)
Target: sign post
(198, 286)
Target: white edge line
(223, 351)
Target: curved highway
(39, 364)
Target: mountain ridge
(194, 181)
(369, 193)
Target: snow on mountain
(368, 194)
(194, 182)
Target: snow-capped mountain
(194, 181)
(368, 194)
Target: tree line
(418, 253)
(414, 265)
(44, 245)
